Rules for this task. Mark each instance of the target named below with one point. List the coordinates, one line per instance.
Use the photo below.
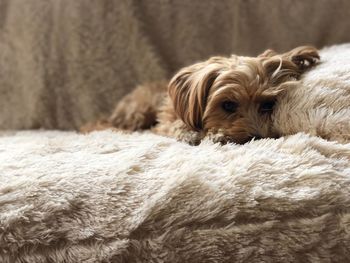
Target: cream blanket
(67, 62)
(112, 197)
(319, 104)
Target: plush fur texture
(230, 98)
(113, 197)
(320, 103)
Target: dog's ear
(289, 65)
(304, 57)
(279, 70)
(189, 90)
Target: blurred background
(66, 62)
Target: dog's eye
(267, 106)
(229, 106)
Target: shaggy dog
(226, 99)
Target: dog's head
(235, 97)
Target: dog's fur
(228, 99)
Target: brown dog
(228, 99)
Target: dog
(226, 99)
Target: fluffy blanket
(319, 104)
(112, 197)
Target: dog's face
(235, 97)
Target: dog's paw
(134, 117)
(96, 126)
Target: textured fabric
(64, 62)
(319, 104)
(111, 197)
